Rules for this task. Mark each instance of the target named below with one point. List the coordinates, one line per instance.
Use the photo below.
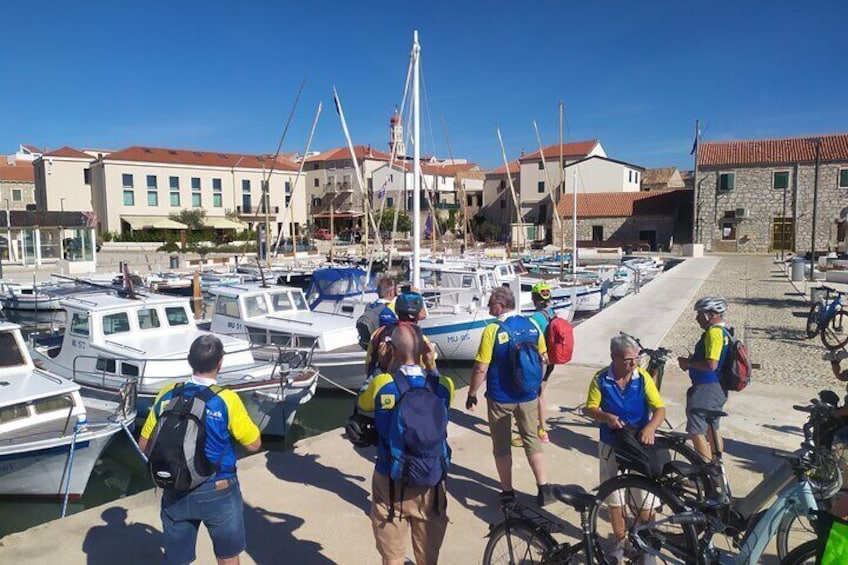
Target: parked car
(322, 233)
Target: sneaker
(517, 442)
(507, 496)
(545, 496)
(543, 436)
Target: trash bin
(175, 262)
(798, 265)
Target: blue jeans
(221, 510)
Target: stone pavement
(310, 505)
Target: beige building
(63, 181)
(140, 187)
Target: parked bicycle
(656, 525)
(657, 358)
(525, 536)
(828, 320)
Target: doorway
(649, 236)
(783, 234)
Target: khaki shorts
(609, 469)
(415, 512)
(500, 426)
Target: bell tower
(396, 135)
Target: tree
(386, 220)
(193, 218)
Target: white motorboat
(31, 296)
(110, 339)
(50, 436)
(321, 322)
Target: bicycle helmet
(409, 305)
(715, 304)
(542, 290)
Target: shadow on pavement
(270, 538)
(469, 421)
(103, 544)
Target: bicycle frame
(830, 310)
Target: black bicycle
(525, 536)
(657, 358)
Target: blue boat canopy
(335, 284)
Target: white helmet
(715, 304)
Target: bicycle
(657, 358)
(525, 536)
(813, 469)
(828, 320)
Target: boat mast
(416, 165)
(518, 214)
(561, 194)
(548, 182)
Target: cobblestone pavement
(771, 316)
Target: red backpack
(735, 374)
(559, 338)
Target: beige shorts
(500, 426)
(608, 469)
(416, 512)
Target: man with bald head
(396, 507)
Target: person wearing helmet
(409, 309)
(706, 392)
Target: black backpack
(177, 458)
(368, 323)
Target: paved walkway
(310, 505)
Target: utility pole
(815, 210)
(695, 195)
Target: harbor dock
(310, 505)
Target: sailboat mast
(416, 165)
(561, 194)
(574, 223)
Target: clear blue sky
(222, 76)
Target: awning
(221, 223)
(339, 215)
(155, 222)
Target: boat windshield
(10, 353)
(281, 302)
(299, 301)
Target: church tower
(396, 134)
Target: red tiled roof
(341, 153)
(200, 158)
(69, 152)
(514, 168)
(569, 150)
(773, 151)
(624, 204)
(22, 172)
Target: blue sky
(222, 76)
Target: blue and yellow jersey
(226, 419)
(371, 362)
(380, 397)
(494, 351)
(711, 347)
(633, 405)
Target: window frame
(840, 176)
(17, 195)
(72, 328)
(776, 172)
(729, 174)
(540, 187)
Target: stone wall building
(758, 196)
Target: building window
(629, 175)
(288, 200)
(390, 202)
(217, 193)
(152, 193)
(541, 165)
(86, 176)
(479, 200)
(726, 181)
(245, 196)
(129, 197)
(780, 180)
(127, 180)
(597, 233)
(195, 192)
(540, 188)
(728, 231)
(174, 183)
(502, 185)
(288, 187)
(316, 183)
(470, 200)
(636, 176)
(843, 178)
(17, 195)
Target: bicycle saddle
(709, 414)
(574, 496)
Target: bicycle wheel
(633, 500)
(834, 334)
(517, 542)
(688, 489)
(795, 529)
(814, 320)
(805, 554)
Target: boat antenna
(261, 273)
(128, 285)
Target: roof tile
(624, 204)
(201, 158)
(569, 150)
(773, 151)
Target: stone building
(663, 178)
(644, 220)
(758, 195)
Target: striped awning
(153, 222)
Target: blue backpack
(418, 437)
(524, 358)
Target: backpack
(525, 361)
(177, 458)
(418, 448)
(735, 373)
(559, 338)
(368, 323)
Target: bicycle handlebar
(689, 519)
(657, 353)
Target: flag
(382, 191)
(428, 225)
(695, 144)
